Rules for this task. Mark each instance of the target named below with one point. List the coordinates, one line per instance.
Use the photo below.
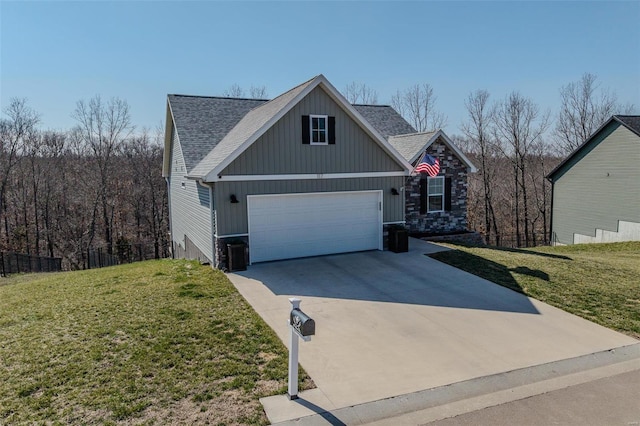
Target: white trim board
(307, 176)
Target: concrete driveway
(389, 324)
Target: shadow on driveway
(410, 278)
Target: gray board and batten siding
(599, 186)
(280, 149)
(232, 217)
(190, 209)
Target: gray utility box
(398, 240)
(237, 257)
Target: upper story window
(318, 129)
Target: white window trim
(429, 194)
(326, 129)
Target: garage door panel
(299, 225)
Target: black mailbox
(301, 323)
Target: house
(303, 174)
(596, 189)
(435, 205)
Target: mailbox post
(301, 327)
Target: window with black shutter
(318, 130)
(435, 194)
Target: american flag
(429, 165)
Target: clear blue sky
(56, 53)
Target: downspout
(214, 230)
(551, 233)
(168, 181)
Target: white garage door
(299, 225)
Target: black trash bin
(236, 257)
(398, 240)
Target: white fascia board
(459, 153)
(308, 176)
(424, 148)
(338, 98)
(451, 145)
(168, 127)
(355, 115)
(213, 174)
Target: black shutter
(306, 130)
(447, 194)
(332, 130)
(424, 186)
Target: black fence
(124, 253)
(15, 263)
(511, 240)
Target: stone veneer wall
(446, 221)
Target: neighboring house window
(435, 194)
(318, 130)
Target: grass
(158, 342)
(599, 282)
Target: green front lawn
(599, 282)
(158, 342)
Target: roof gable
(280, 150)
(413, 144)
(631, 122)
(257, 121)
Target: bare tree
(14, 130)
(417, 104)
(360, 93)
(478, 132)
(234, 91)
(102, 129)
(584, 107)
(518, 125)
(258, 92)
(147, 196)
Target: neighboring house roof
(238, 131)
(385, 119)
(631, 122)
(411, 146)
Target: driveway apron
(389, 324)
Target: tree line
(97, 185)
(514, 145)
(100, 184)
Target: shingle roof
(632, 122)
(202, 122)
(212, 129)
(385, 120)
(411, 145)
(246, 127)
